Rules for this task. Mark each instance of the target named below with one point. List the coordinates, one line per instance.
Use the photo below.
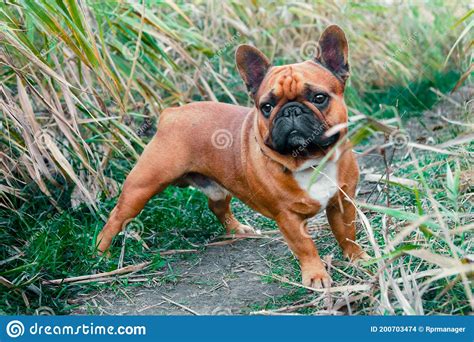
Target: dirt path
(222, 280)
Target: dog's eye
(319, 98)
(266, 109)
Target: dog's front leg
(293, 228)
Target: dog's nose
(292, 109)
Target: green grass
(60, 245)
(410, 99)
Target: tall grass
(82, 83)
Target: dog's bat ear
(252, 65)
(334, 51)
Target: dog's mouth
(297, 131)
(297, 144)
(295, 138)
(301, 142)
(329, 142)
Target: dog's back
(190, 116)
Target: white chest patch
(325, 186)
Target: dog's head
(298, 103)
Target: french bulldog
(265, 155)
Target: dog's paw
(354, 253)
(242, 229)
(316, 278)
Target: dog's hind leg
(219, 203)
(221, 208)
(154, 171)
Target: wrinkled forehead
(290, 81)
